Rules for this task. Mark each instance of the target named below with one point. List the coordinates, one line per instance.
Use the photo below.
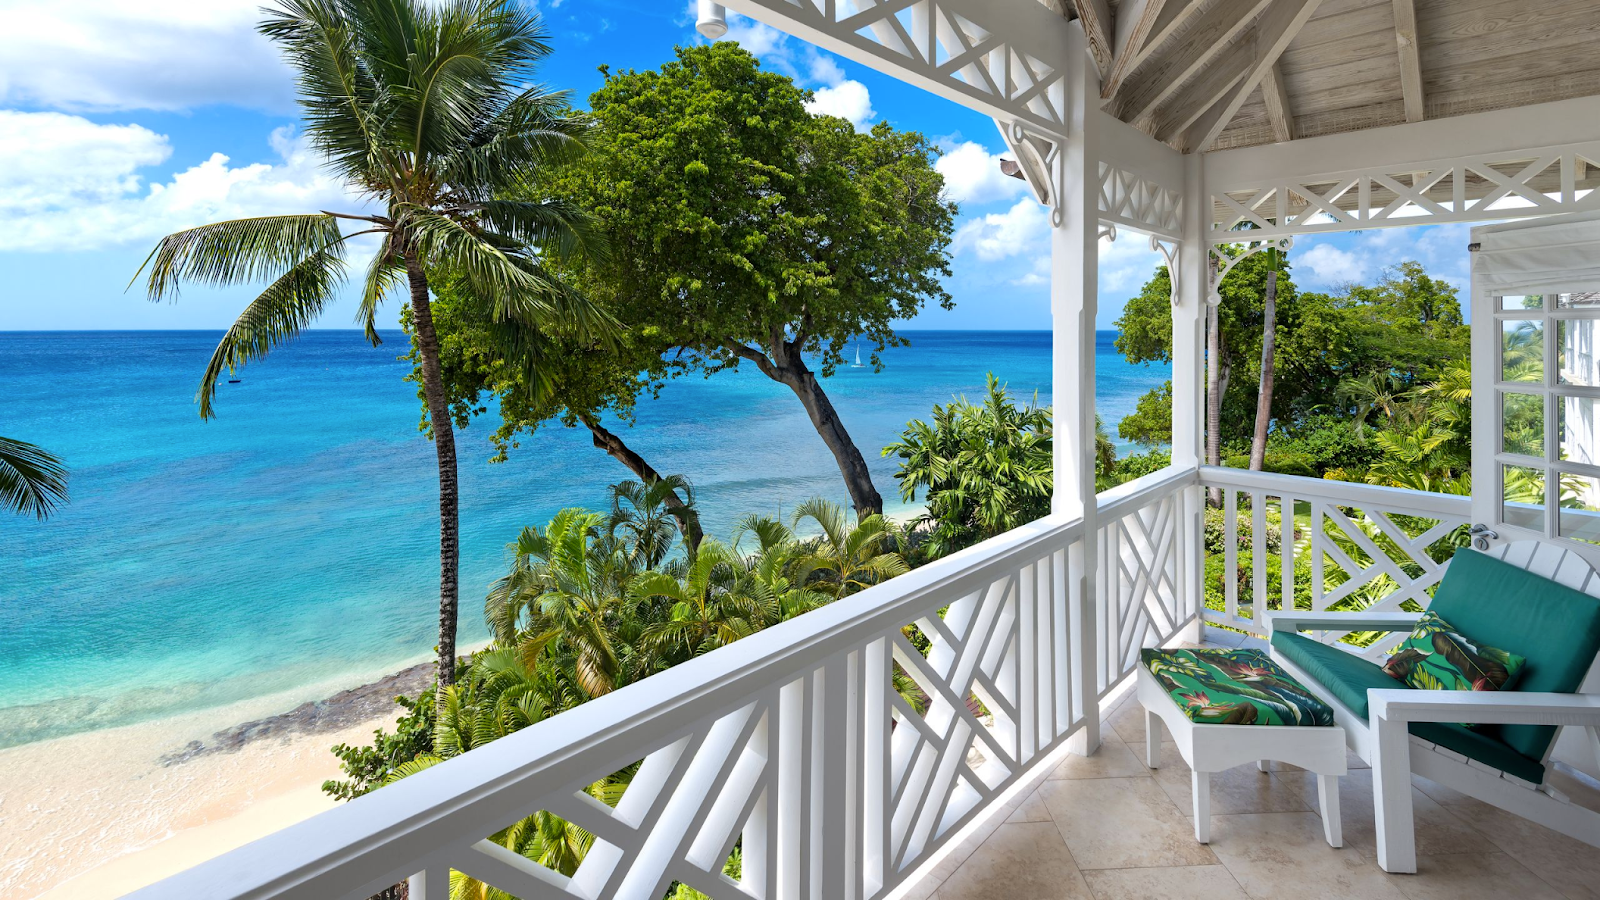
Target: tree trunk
(788, 368)
(1214, 396)
(444, 445)
(1269, 345)
(622, 453)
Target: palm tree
(710, 606)
(644, 514)
(848, 557)
(565, 598)
(424, 109)
(33, 482)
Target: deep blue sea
(293, 540)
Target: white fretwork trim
(1002, 59)
(1503, 185)
(1282, 245)
(1134, 202)
(1171, 251)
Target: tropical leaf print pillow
(1438, 658)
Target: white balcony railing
(1353, 546)
(792, 743)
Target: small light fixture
(713, 20)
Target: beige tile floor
(1106, 827)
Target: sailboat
(858, 364)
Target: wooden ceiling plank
(1277, 27)
(1135, 21)
(1098, 26)
(1183, 109)
(1167, 71)
(1405, 36)
(1279, 113)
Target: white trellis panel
(1004, 59)
(1142, 600)
(1131, 201)
(1348, 531)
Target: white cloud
(1330, 265)
(848, 100)
(86, 192)
(972, 175)
(759, 38)
(1021, 229)
(151, 54)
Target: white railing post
(1074, 275)
(1191, 286)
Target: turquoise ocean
(292, 542)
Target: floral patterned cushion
(1438, 658)
(1234, 687)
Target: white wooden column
(1190, 289)
(1074, 274)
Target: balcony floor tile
(1187, 882)
(1021, 861)
(1113, 823)
(1284, 855)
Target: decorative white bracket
(1171, 252)
(1036, 158)
(1213, 297)
(1108, 231)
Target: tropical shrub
(983, 469)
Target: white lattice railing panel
(1003, 59)
(1325, 545)
(1142, 595)
(839, 752)
(1451, 189)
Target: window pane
(1580, 508)
(1579, 430)
(1530, 301)
(1586, 300)
(1522, 489)
(1522, 351)
(1576, 356)
(1523, 424)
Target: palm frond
(236, 251)
(33, 482)
(383, 274)
(278, 314)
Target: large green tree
(746, 230)
(427, 109)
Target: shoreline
(101, 813)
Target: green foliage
(1409, 325)
(368, 767)
(33, 482)
(1150, 423)
(738, 217)
(1283, 462)
(1138, 465)
(983, 469)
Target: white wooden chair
(1382, 737)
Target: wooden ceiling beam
(1212, 32)
(1098, 27)
(1276, 98)
(1201, 95)
(1136, 19)
(1277, 27)
(1405, 35)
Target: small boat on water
(858, 364)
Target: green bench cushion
(1554, 626)
(1348, 678)
(1234, 687)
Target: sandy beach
(99, 814)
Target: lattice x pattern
(836, 782)
(1300, 543)
(1140, 601)
(1127, 199)
(1503, 185)
(1004, 59)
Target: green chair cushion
(1348, 678)
(1555, 627)
(1437, 657)
(1234, 687)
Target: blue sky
(121, 122)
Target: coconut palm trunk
(444, 446)
(1214, 389)
(1269, 346)
(428, 110)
